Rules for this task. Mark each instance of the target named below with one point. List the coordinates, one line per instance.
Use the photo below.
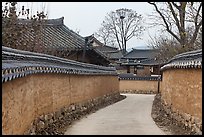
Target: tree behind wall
(182, 20)
(167, 46)
(16, 32)
(120, 26)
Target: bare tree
(122, 25)
(177, 18)
(105, 36)
(168, 46)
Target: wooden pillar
(135, 69)
(128, 69)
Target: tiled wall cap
(41, 63)
(192, 59)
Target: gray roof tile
(18, 63)
(115, 55)
(106, 48)
(131, 76)
(191, 59)
(140, 54)
(110, 52)
(56, 35)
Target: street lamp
(122, 16)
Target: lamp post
(122, 16)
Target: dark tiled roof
(130, 76)
(18, 63)
(106, 51)
(140, 54)
(101, 47)
(65, 38)
(140, 57)
(144, 62)
(192, 59)
(51, 22)
(55, 35)
(58, 35)
(106, 48)
(101, 54)
(109, 52)
(115, 55)
(151, 61)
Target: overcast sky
(88, 16)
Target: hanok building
(58, 40)
(111, 53)
(142, 62)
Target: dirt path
(131, 116)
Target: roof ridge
(188, 54)
(142, 49)
(57, 21)
(74, 33)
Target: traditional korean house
(142, 62)
(112, 53)
(58, 40)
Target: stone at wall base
(56, 122)
(139, 91)
(183, 119)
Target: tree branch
(167, 26)
(178, 7)
(197, 27)
(115, 31)
(175, 17)
(196, 17)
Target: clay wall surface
(181, 89)
(138, 86)
(144, 72)
(26, 98)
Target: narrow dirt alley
(131, 116)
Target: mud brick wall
(144, 72)
(181, 92)
(26, 98)
(138, 86)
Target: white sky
(88, 16)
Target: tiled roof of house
(106, 48)
(140, 57)
(115, 55)
(101, 54)
(191, 59)
(56, 35)
(109, 52)
(18, 63)
(140, 54)
(144, 62)
(106, 51)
